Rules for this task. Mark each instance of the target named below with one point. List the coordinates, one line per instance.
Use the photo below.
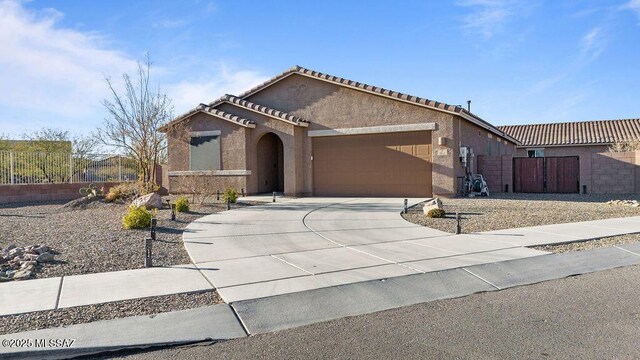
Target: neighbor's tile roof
(260, 108)
(601, 132)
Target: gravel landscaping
(505, 211)
(92, 240)
(590, 244)
(84, 314)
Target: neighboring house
(309, 133)
(568, 158)
(572, 138)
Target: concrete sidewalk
(217, 322)
(297, 245)
(274, 313)
(69, 291)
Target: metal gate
(546, 175)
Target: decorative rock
(9, 247)
(632, 203)
(150, 201)
(42, 249)
(432, 204)
(44, 257)
(27, 264)
(23, 274)
(30, 257)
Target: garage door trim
(374, 130)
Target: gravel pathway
(522, 210)
(93, 240)
(84, 314)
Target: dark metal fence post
(173, 212)
(458, 228)
(218, 195)
(228, 203)
(154, 223)
(274, 196)
(242, 192)
(147, 252)
(405, 206)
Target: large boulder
(432, 204)
(150, 201)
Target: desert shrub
(436, 213)
(148, 187)
(231, 194)
(137, 218)
(182, 204)
(122, 192)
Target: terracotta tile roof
(600, 132)
(295, 120)
(457, 109)
(204, 108)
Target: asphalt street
(588, 316)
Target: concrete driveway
(301, 244)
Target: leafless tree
(134, 118)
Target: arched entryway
(270, 164)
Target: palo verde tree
(135, 114)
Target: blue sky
(518, 61)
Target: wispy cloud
(223, 80)
(44, 66)
(170, 23)
(488, 17)
(634, 5)
(592, 44)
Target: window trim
(535, 150)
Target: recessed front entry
(270, 164)
(390, 164)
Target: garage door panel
(395, 164)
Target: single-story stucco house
(306, 133)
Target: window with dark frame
(204, 153)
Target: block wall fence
(601, 173)
(63, 192)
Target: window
(204, 150)
(535, 153)
(489, 145)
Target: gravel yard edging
(589, 244)
(106, 311)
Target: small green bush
(137, 218)
(182, 204)
(231, 194)
(436, 213)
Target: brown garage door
(393, 164)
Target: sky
(518, 61)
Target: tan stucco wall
(477, 138)
(233, 149)
(328, 106)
